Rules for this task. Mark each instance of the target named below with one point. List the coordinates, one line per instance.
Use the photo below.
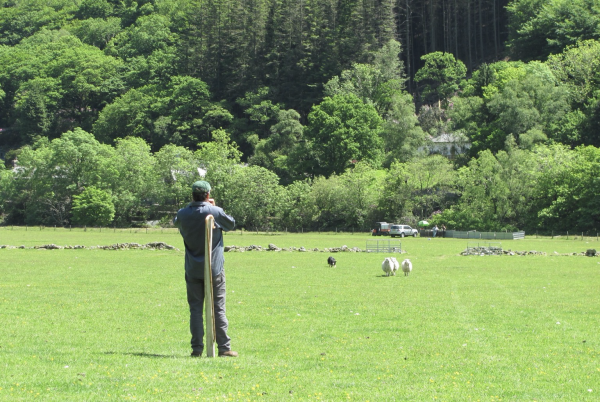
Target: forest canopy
(301, 99)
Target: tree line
(308, 96)
(75, 179)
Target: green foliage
(442, 75)
(19, 20)
(524, 100)
(132, 180)
(577, 68)
(402, 134)
(376, 83)
(96, 31)
(260, 114)
(94, 9)
(179, 113)
(54, 83)
(541, 28)
(416, 188)
(50, 174)
(273, 151)
(497, 192)
(176, 167)
(252, 195)
(93, 207)
(302, 89)
(342, 129)
(348, 200)
(298, 209)
(149, 34)
(567, 189)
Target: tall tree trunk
(445, 25)
(424, 28)
(408, 45)
(481, 33)
(495, 27)
(469, 35)
(455, 29)
(432, 21)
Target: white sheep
(396, 265)
(406, 267)
(388, 266)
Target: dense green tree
(441, 76)
(347, 201)
(360, 183)
(525, 100)
(93, 207)
(35, 104)
(260, 113)
(176, 168)
(54, 83)
(497, 192)
(252, 195)
(19, 20)
(94, 9)
(148, 34)
(395, 202)
(51, 173)
(401, 131)
(96, 32)
(343, 129)
(298, 208)
(577, 69)
(541, 28)
(567, 189)
(415, 189)
(273, 151)
(376, 83)
(180, 113)
(219, 158)
(132, 180)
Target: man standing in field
(191, 223)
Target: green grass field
(98, 325)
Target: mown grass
(101, 325)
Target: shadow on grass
(143, 354)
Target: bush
(93, 207)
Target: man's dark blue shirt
(191, 224)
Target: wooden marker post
(209, 301)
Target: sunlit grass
(113, 325)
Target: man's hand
(211, 201)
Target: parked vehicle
(381, 229)
(402, 230)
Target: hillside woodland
(305, 115)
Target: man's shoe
(228, 353)
(196, 354)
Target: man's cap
(201, 186)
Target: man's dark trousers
(195, 295)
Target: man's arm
(225, 221)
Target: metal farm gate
(384, 246)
